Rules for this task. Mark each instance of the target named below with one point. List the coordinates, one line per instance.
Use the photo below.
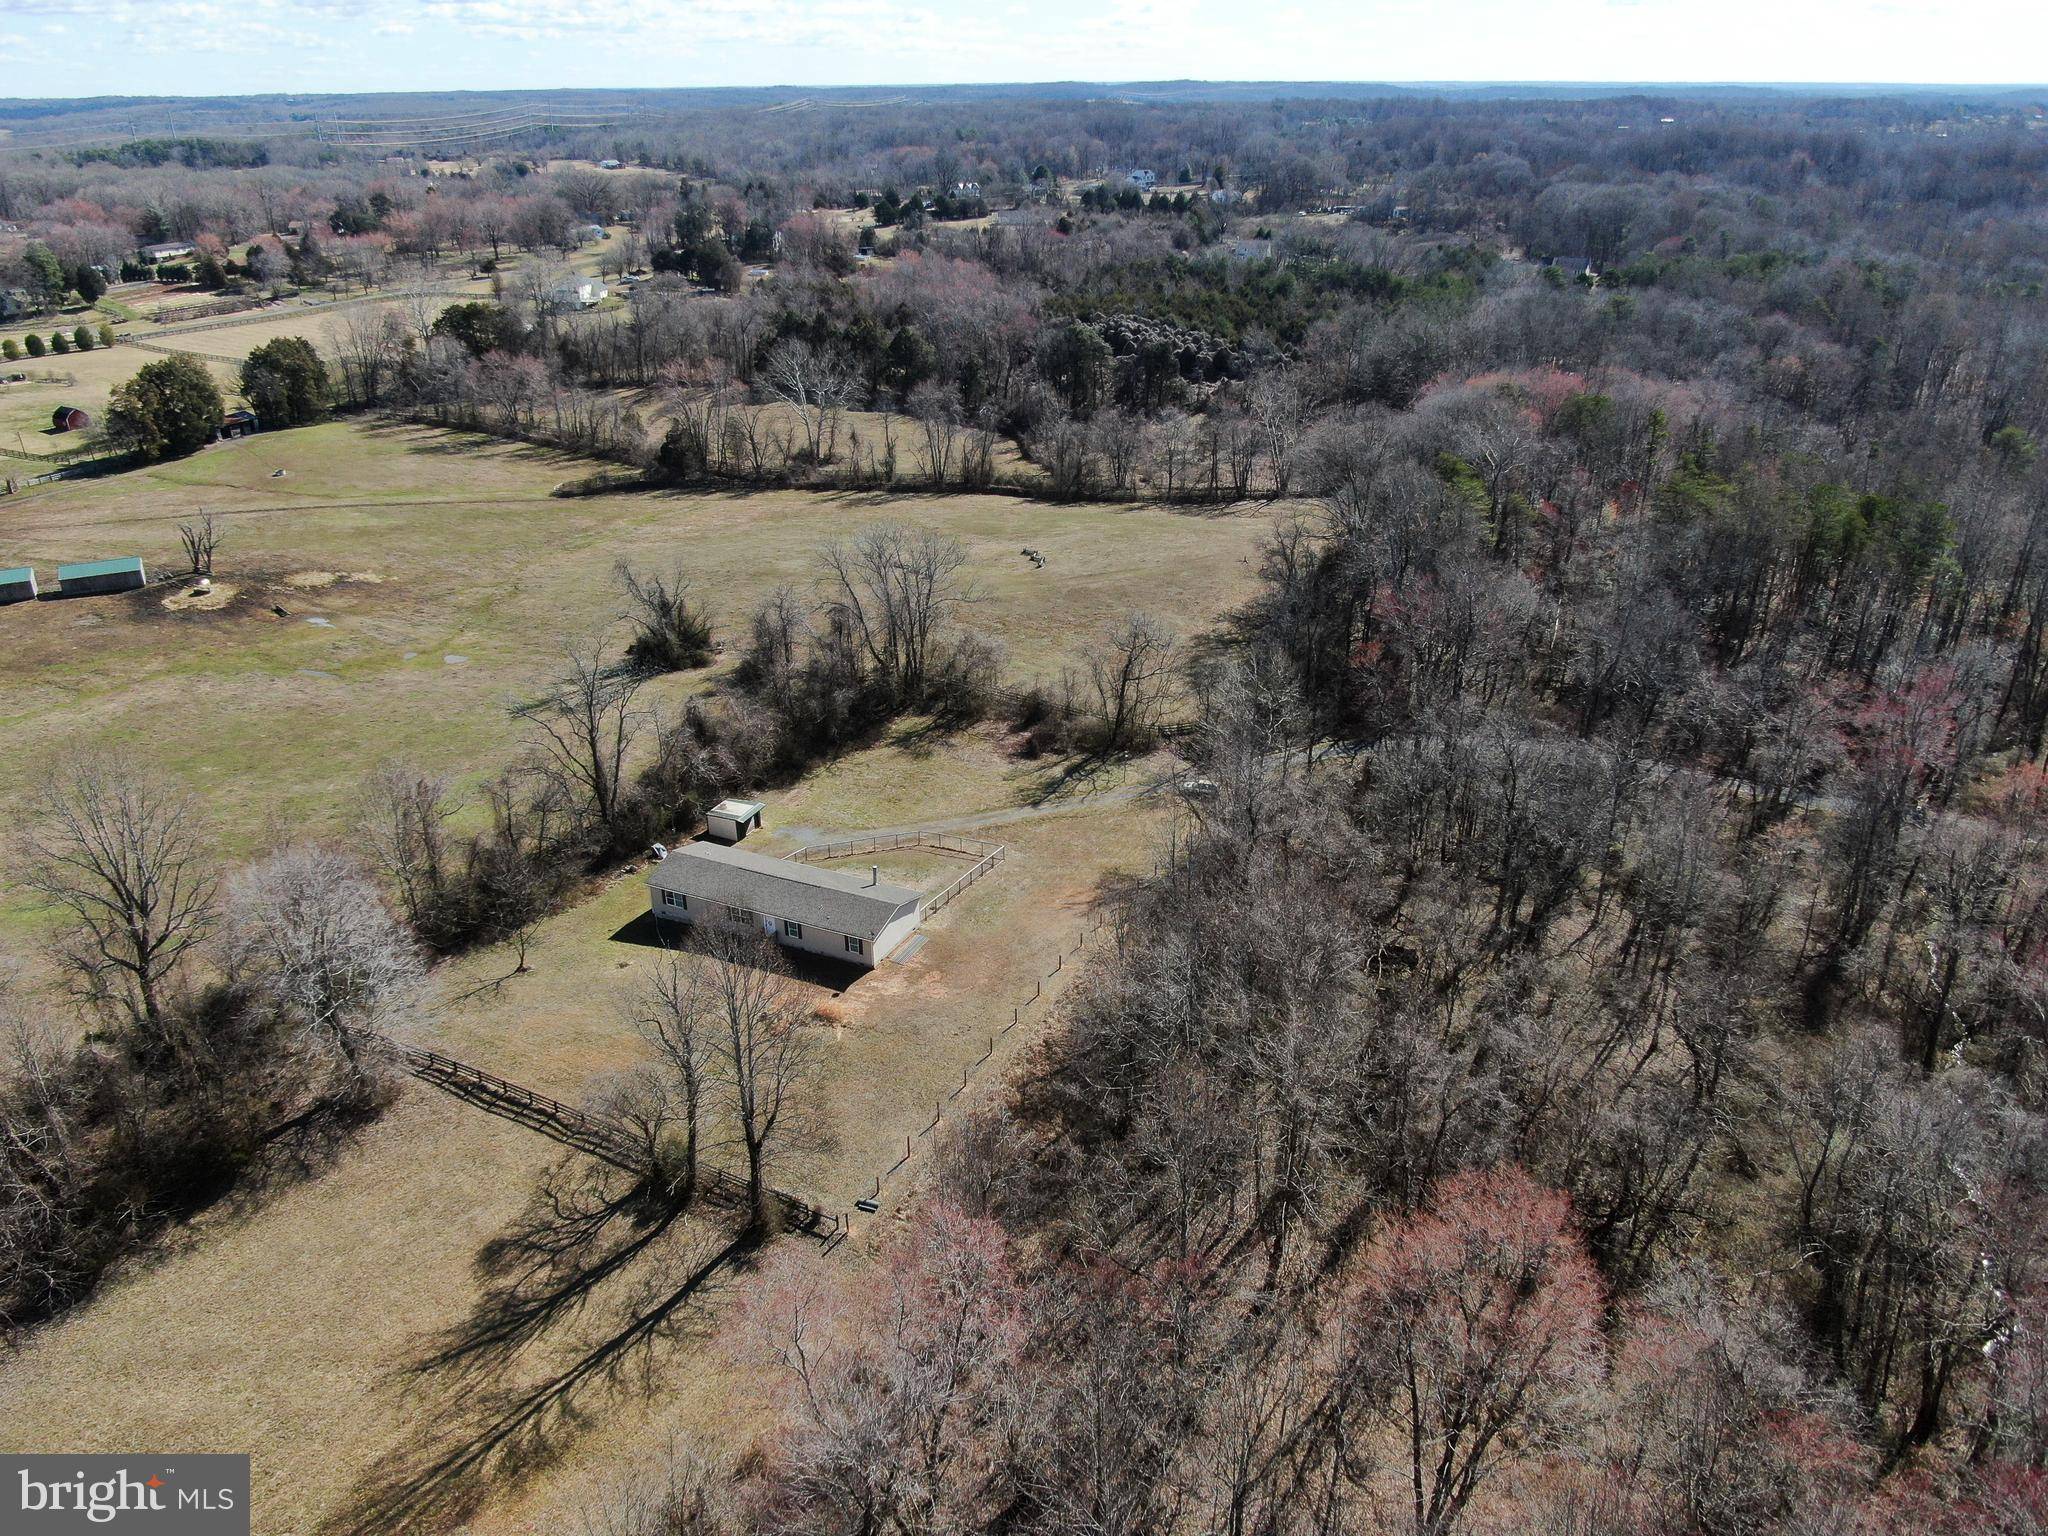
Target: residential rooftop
(843, 903)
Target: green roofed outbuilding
(95, 576)
(17, 585)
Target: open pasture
(309, 1326)
(427, 581)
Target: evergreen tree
(169, 409)
(285, 382)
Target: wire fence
(871, 1203)
(886, 842)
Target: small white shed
(730, 820)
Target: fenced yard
(986, 855)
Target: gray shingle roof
(839, 903)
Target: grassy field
(88, 379)
(430, 581)
(303, 1329)
(446, 582)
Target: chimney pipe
(874, 874)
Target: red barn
(69, 418)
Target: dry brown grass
(484, 579)
(297, 1331)
(293, 1328)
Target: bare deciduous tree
(677, 1012)
(893, 588)
(677, 1493)
(671, 633)
(308, 926)
(812, 381)
(585, 724)
(763, 1058)
(1478, 1321)
(121, 855)
(937, 412)
(402, 818)
(1129, 671)
(202, 539)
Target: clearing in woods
(351, 1328)
(458, 584)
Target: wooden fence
(884, 842)
(982, 866)
(589, 1134)
(986, 855)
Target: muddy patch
(191, 599)
(313, 581)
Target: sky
(232, 47)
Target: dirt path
(1056, 805)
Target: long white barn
(820, 911)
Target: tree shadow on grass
(585, 1223)
(478, 1436)
(1076, 777)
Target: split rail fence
(588, 1134)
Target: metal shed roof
(16, 575)
(88, 568)
(738, 808)
(837, 902)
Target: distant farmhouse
(819, 911)
(170, 250)
(1144, 179)
(578, 293)
(94, 576)
(17, 585)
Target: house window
(741, 915)
(675, 899)
(792, 930)
(854, 946)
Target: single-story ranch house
(819, 911)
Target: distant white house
(595, 232)
(820, 911)
(579, 293)
(170, 250)
(607, 165)
(1142, 178)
